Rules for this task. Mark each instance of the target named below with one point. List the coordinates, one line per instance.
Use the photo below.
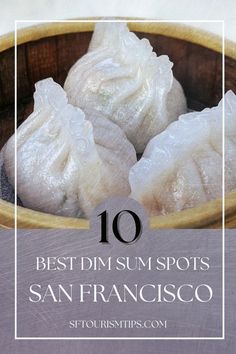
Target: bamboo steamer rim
(204, 214)
(174, 30)
(199, 216)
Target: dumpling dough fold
(182, 166)
(124, 80)
(65, 165)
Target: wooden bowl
(51, 49)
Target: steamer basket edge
(206, 215)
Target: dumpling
(124, 80)
(65, 166)
(182, 166)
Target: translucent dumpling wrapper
(65, 165)
(124, 80)
(182, 167)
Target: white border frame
(223, 183)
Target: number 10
(115, 226)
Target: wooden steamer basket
(51, 49)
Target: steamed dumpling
(182, 167)
(124, 80)
(65, 166)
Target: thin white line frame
(222, 337)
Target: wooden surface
(199, 69)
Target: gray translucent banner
(168, 283)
